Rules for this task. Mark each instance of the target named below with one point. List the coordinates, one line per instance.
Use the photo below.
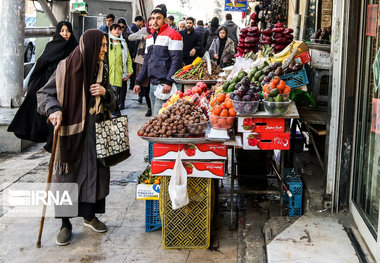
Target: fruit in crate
(147, 178)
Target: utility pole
(12, 15)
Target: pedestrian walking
(233, 29)
(222, 49)
(171, 22)
(135, 26)
(163, 57)
(120, 62)
(28, 124)
(181, 26)
(110, 19)
(80, 81)
(211, 33)
(192, 45)
(141, 36)
(125, 32)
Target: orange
(223, 105)
(273, 85)
(232, 112)
(281, 85)
(217, 110)
(229, 104)
(228, 95)
(213, 119)
(221, 97)
(224, 113)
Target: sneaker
(64, 236)
(139, 100)
(96, 225)
(148, 113)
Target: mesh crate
(152, 215)
(296, 79)
(188, 227)
(150, 152)
(294, 183)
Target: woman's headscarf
(122, 20)
(222, 42)
(74, 77)
(55, 50)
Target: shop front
(365, 165)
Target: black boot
(148, 113)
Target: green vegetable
(273, 93)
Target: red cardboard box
(203, 151)
(304, 58)
(266, 141)
(194, 169)
(272, 125)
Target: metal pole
(12, 15)
(48, 12)
(61, 10)
(39, 31)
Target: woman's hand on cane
(56, 118)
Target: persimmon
(223, 105)
(230, 121)
(231, 112)
(217, 110)
(276, 79)
(286, 90)
(229, 104)
(273, 85)
(212, 102)
(224, 113)
(281, 86)
(222, 122)
(220, 97)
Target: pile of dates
(173, 121)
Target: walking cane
(38, 245)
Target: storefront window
(366, 191)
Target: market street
(126, 239)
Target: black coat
(190, 41)
(28, 124)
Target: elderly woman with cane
(77, 96)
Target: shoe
(148, 113)
(139, 100)
(64, 236)
(96, 225)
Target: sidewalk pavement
(125, 240)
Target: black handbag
(112, 141)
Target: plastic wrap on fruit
(194, 98)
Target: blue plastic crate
(152, 215)
(150, 152)
(294, 184)
(296, 79)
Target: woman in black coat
(28, 124)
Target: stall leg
(314, 145)
(233, 171)
(282, 179)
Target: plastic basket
(294, 183)
(296, 79)
(152, 215)
(150, 152)
(188, 227)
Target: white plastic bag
(178, 185)
(164, 96)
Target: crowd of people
(74, 85)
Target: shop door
(366, 172)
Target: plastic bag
(164, 96)
(178, 185)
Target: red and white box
(203, 151)
(213, 170)
(273, 125)
(266, 141)
(304, 58)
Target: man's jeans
(156, 103)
